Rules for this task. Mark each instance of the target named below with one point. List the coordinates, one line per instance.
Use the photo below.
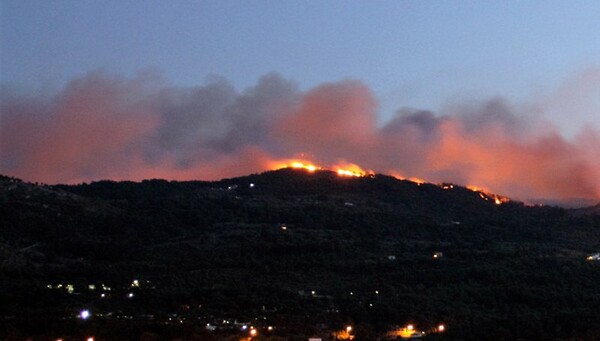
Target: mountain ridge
(259, 245)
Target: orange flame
(486, 195)
(344, 169)
(416, 180)
(293, 163)
(308, 166)
(352, 169)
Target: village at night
(297, 253)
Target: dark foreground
(306, 254)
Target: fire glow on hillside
(353, 170)
(110, 127)
(342, 169)
(486, 195)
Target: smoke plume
(103, 126)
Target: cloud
(104, 126)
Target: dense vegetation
(257, 247)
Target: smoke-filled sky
(501, 95)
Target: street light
(84, 314)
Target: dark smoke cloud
(103, 126)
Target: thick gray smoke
(108, 127)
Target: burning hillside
(342, 169)
(107, 127)
(353, 170)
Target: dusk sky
(504, 95)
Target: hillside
(304, 252)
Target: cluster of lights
(410, 331)
(70, 288)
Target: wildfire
(416, 180)
(352, 170)
(349, 169)
(309, 167)
(475, 188)
(485, 195)
(295, 164)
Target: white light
(102, 295)
(244, 327)
(130, 295)
(84, 314)
(251, 185)
(90, 339)
(269, 328)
